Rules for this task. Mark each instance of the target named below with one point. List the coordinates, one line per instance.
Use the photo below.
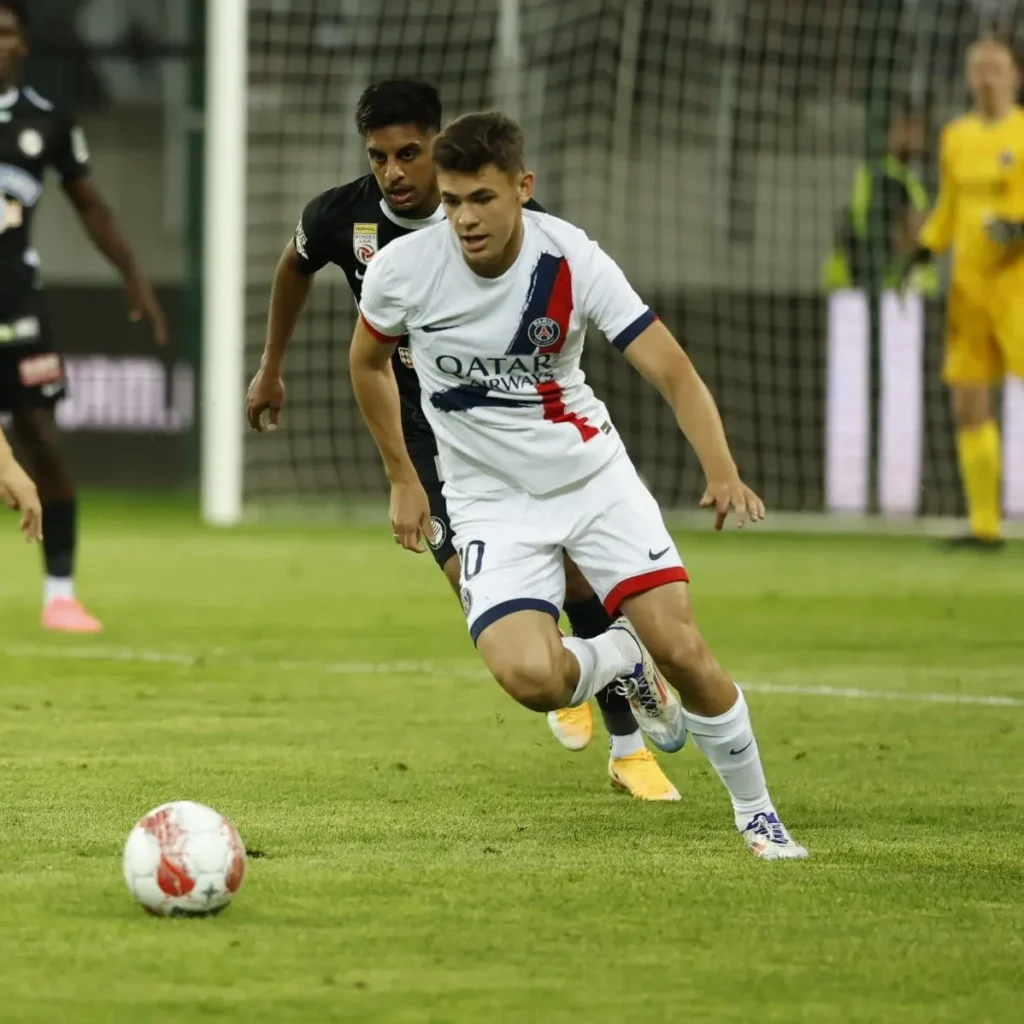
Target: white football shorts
(510, 544)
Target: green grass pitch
(431, 854)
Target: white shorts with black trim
(511, 545)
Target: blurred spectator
(904, 205)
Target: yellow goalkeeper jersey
(982, 176)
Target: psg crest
(364, 242)
(543, 332)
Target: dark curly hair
(398, 101)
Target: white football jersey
(499, 358)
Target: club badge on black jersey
(364, 243)
(348, 226)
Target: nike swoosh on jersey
(434, 328)
(655, 555)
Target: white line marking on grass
(98, 654)
(219, 656)
(850, 693)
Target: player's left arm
(611, 303)
(69, 157)
(661, 361)
(936, 234)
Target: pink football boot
(66, 615)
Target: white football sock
(728, 743)
(623, 746)
(57, 587)
(601, 661)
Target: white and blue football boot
(655, 705)
(767, 838)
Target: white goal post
(224, 210)
(224, 240)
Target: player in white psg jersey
(495, 304)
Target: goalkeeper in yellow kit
(980, 214)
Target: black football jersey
(34, 135)
(348, 226)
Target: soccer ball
(184, 859)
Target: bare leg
(588, 619)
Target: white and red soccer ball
(184, 859)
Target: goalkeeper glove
(1004, 232)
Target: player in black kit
(347, 226)
(34, 136)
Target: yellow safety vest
(837, 271)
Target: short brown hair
(473, 141)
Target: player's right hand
(410, 515)
(18, 492)
(142, 302)
(265, 395)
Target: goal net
(713, 147)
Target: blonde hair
(1004, 42)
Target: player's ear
(526, 183)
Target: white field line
(429, 668)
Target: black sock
(59, 522)
(616, 712)
(589, 619)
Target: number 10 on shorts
(472, 559)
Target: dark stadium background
(133, 72)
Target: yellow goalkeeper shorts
(984, 331)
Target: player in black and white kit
(347, 226)
(36, 136)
